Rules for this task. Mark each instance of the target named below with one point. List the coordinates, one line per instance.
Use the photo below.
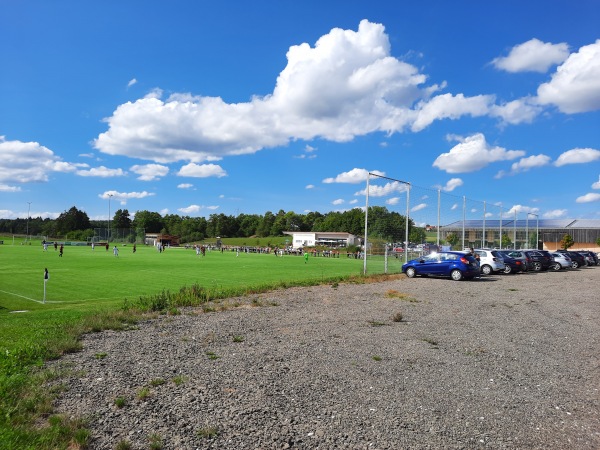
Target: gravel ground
(502, 362)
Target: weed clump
(208, 432)
(120, 402)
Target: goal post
(386, 223)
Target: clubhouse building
(302, 239)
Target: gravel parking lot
(505, 362)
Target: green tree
(49, 228)
(311, 220)
(121, 219)
(567, 242)
(279, 224)
(452, 239)
(221, 225)
(354, 222)
(172, 223)
(293, 221)
(533, 240)
(266, 223)
(72, 220)
(151, 222)
(505, 242)
(333, 221)
(248, 225)
(417, 234)
(189, 229)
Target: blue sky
(197, 107)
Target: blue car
(456, 265)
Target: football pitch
(84, 278)
(85, 281)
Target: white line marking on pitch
(27, 298)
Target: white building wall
(303, 239)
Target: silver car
(561, 261)
(490, 261)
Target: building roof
(586, 223)
(334, 234)
(532, 222)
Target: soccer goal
(387, 224)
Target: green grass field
(88, 283)
(84, 280)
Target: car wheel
(456, 275)
(556, 266)
(537, 266)
(507, 269)
(486, 270)
(411, 272)
(575, 264)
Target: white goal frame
(365, 242)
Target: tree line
(75, 224)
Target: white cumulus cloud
(588, 198)
(376, 190)
(7, 188)
(122, 197)
(473, 153)
(201, 171)
(448, 106)
(150, 172)
(452, 184)
(524, 164)
(102, 172)
(532, 56)
(555, 214)
(577, 156)
(353, 176)
(25, 162)
(190, 209)
(521, 209)
(523, 110)
(344, 86)
(575, 86)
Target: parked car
(561, 261)
(456, 265)
(541, 259)
(490, 261)
(519, 255)
(513, 265)
(590, 257)
(577, 259)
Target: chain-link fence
(436, 220)
(118, 235)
